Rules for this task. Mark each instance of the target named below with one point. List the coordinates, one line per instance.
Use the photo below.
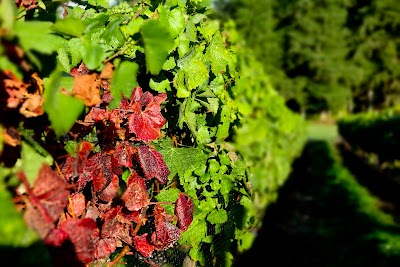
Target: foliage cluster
(330, 55)
(68, 81)
(271, 136)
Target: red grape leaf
(56, 237)
(116, 226)
(102, 174)
(105, 247)
(80, 70)
(27, 4)
(96, 114)
(146, 124)
(123, 153)
(92, 212)
(77, 204)
(110, 221)
(136, 94)
(83, 234)
(73, 166)
(49, 199)
(111, 190)
(52, 191)
(133, 216)
(135, 196)
(166, 234)
(142, 245)
(183, 211)
(153, 164)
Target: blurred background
(336, 64)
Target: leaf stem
(125, 250)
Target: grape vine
(129, 114)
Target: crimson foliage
(85, 210)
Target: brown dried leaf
(106, 73)
(37, 82)
(12, 89)
(32, 107)
(87, 88)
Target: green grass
(320, 131)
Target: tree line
(339, 56)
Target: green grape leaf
(197, 18)
(207, 205)
(133, 26)
(174, 18)
(36, 35)
(69, 26)
(217, 216)
(183, 45)
(223, 129)
(112, 29)
(195, 233)
(157, 45)
(169, 64)
(208, 28)
(123, 81)
(191, 31)
(8, 12)
(181, 159)
(63, 110)
(195, 70)
(179, 83)
(160, 87)
(63, 59)
(217, 54)
(217, 85)
(197, 254)
(32, 161)
(101, 3)
(226, 187)
(203, 135)
(245, 241)
(74, 46)
(170, 195)
(13, 229)
(93, 55)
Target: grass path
(324, 217)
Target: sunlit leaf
(157, 45)
(63, 110)
(123, 81)
(69, 26)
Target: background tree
(336, 55)
(374, 50)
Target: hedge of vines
(373, 132)
(137, 133)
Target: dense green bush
(373, 132)
(160, 91)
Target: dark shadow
(32, 256)
(378, 183)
